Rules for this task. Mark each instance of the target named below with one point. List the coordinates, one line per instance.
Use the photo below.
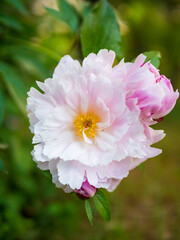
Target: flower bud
(86, 191)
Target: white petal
(38, 153)
(67, 66)
(71, 173)
(105, 141)
(86, 139)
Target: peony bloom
(87, 132)
(155, 94)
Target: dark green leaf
(17, 4)
(10, 22)
(102, 204)
(1, 107)
(14, 85)
(88, 211)
(66, 13)
(101, 30)
(47, 174)
(2, 167)
(154, 57)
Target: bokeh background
(146, 205)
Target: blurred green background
(146, 205)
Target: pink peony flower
(154, 92)
(86, 131)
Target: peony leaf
(102, 204)
(66, 13)
(88, 211)
(154, 57)
(101, 30)
(2, 167)
(47, 174)
(54, 13)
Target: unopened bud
(86, 191)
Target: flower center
(86, 123)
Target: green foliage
(66, 13)
(154, 57)
(31, 207)
(15, 85)
(2, 167)
(101, 30)
(1, 107)
(102, 204)
(47, 174)
(88, 211)
(19, 5)
(10, 21)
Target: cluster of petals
(91, 122)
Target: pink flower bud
(86, 191)
(154, 92)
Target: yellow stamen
(86, 122)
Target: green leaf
(2, 167)
(10, 22)
(102, 204)
(69, 14)
(88, 211)
(54, 13)
(101, 30)
(154, 57)
(85, 10)
(14, 85)
(1, 107)
(66, 13)
(17, 4)
(47, 174)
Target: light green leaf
(101, 30)
(102, 204)
(66, 13)
(10, 22)
(17, 4)
(69, 14)
(85, 10)
(54, 13)
(88, 211)
(2, 167)
(14, 85)
(154, 57)
(1, 107)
